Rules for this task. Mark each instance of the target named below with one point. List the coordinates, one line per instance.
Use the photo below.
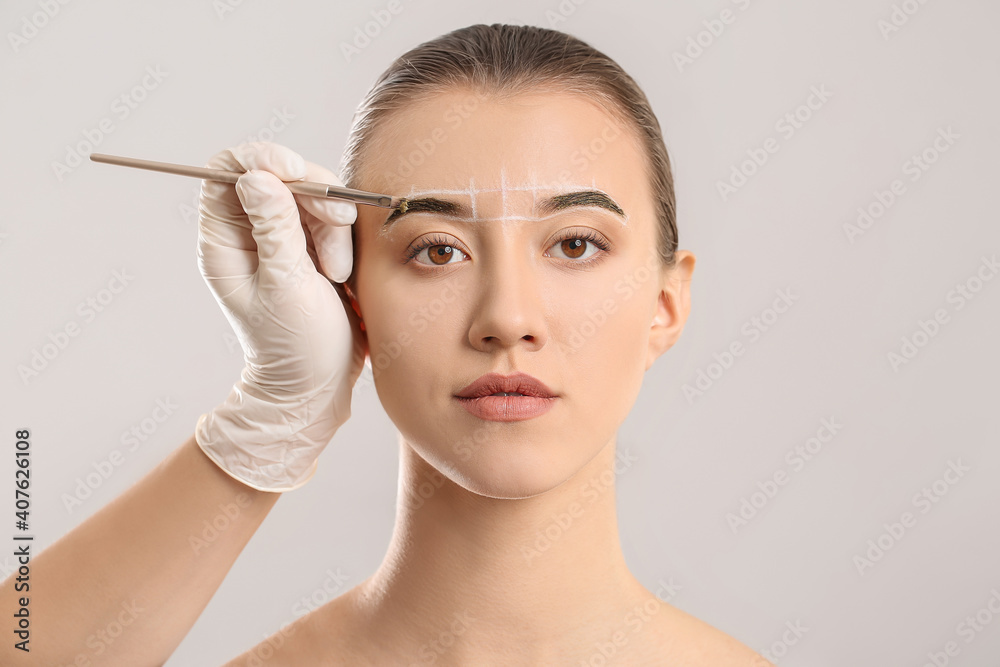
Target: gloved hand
(258, 249)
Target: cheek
(604, 331)
(413, 337)
(405, 316)
(411, 326)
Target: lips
(495, 383)
(506, 398)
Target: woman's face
(513, 278)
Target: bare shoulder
(333, 635)
(307, 641)
(684, 640)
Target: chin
(505, 482)
(497, 468)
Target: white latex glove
(258, 248)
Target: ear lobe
(673, 305)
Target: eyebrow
(548, 205)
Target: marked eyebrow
(433, 204)
(548, 205)
(581, 198)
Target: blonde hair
(500, 60)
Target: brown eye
(582, 246)
(440, 254)
(439, 249)
(574, 248)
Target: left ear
(673, 304)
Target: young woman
(509, 313)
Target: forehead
(460, 141)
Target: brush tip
(402, 206)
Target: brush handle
(298, 187)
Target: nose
(510, 307)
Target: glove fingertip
(337, 266)
(333, 211)
(268, 156)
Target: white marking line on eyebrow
(534, 201)
(472, 196)
(473, 191)
(506, 218)
(389, 234)
(568, 188)
(503, 191)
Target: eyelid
(583, 232)
(588, 234)
(424, 242)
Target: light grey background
(232, 68)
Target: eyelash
(590, 236)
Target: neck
(480, 574)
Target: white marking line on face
(467, 191)
(472, 191)
(472, 197)
(503, 192)
(390, 234)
